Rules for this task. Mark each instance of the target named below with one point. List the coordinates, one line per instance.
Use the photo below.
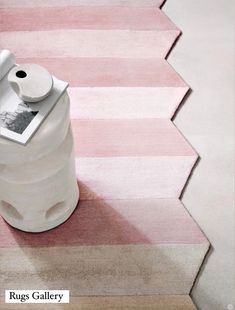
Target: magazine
(20, 120)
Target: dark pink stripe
(114, 222)
(123, 138)
(84, 17)
(111, 72)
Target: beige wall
(204, 58)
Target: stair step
(108, 247)
(161, 302)
(57, 3)
(90, 32)
(115, 222)
(85, 17)
(123, 159)
(112, 72)
(118, 88)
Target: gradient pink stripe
(84, 17)
(110, 72)
(123, 138)
(113, 222)
(89, 43)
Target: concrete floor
(204, 57)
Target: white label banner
(37, 296)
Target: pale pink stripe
(133, 177)
(84, 17)
(123, 138)
(110, 72)
(114, 222)
(124, 102)
(89, 43)
(56, 3)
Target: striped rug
(130, 244)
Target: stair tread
(115, 222)
(111, 72)
(127, 138)
(154, 302)
(85, 17)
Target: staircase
(130, 244)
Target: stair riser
(111, 72)
(85, 17)
(115, 222)
(129, 138)
(133, 177)
(118, 270)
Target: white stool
(38, 186)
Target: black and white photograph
(19, 119)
